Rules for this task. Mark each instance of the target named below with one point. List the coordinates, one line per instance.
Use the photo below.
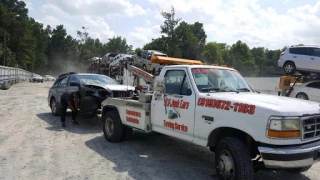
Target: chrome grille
(121, 93)
(311, 127)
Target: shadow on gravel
(156, 156)
(87, 126)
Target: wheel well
(220, 133)
(109, 108)
(301, 93)
(288, 61)
(51, 99)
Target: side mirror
(159, 84)
(74, 84)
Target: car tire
(89, 107)
(289, 67)
(113, 128)
(233, 160)
(54, 109)
(302, 95)
(299, 170)
(144, 67)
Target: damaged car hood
(113, 87)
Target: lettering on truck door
(173, 114)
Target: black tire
(144, 67)
(54, 109)
(289, 67)
(89, 107)
(233, 151)
(302, 95)
(299, 170)
(113, 129)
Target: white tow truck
(214, 107)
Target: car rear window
(112, 55)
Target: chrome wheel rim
(109, 127)
(288, 68)
(225, 165)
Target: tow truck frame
(286, 81)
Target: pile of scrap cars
(208, 105)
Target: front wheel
(233, 160)
(54, 109)
(113, 129)
(289, 67)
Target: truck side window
(176, 82)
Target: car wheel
(144, 67)
(289, 67)
(113, 129)
(302, 96)
(233, 160)
(54, 109)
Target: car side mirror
(74, 84)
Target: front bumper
(290, 156)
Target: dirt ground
(33, 145)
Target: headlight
(283, 127)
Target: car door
(315, 59)
(62, 87)
(73, 78)
(313, 91)
(301, 57)
(173, 113)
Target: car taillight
(282, 54)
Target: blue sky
(268, 23)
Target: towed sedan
(93, 88)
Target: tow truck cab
(214, 107)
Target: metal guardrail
(11, 75)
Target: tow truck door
(173, 111)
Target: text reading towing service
(214, 107)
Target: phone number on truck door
(227, 105)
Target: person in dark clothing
(70, 99)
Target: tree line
(50, 50)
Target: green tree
(212, 54)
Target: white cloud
(142, 36)
(246, 20)
(227, 21)
(29, 5)
(109, 8)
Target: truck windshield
(219, 80)
(98, 80)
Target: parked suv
(94, 88)
(300, 58)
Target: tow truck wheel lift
(288, 79)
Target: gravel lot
(32, 144)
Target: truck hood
(280, 104)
